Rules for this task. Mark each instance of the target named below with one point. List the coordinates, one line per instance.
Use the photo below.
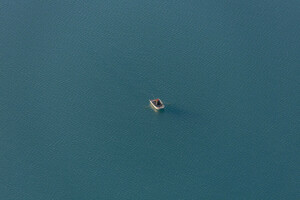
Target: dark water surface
(76, 76)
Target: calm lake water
(76, 76)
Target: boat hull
(161, 107)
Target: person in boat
(158, 102)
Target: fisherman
(157, 102)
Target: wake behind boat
(157, 104)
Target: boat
(157, 104)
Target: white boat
(157, 104)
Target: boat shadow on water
(181, 113)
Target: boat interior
(157, 103)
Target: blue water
(76, 76)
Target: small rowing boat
(157, 104)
